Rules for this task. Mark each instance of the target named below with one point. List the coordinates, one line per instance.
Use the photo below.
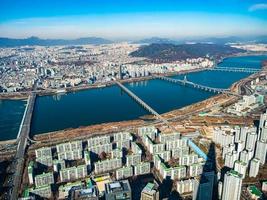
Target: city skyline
(120, 20)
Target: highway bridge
(143, 104)
(22, 139)
(235, 69)
(195, 85)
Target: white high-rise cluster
(244, 149)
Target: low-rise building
(264, 186)
(64, 189)
(150, 192)
(90, 193)
(118, 190)
(254, 192)
(42, 191)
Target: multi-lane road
(23, 135)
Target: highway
(23, 135)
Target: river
(110, 104)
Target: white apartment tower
(232, 186)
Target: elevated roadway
(197, 86)
(22, 138)
(235, 69)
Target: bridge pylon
(184, 80)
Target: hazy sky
(132, 19)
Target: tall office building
(203, 188)
(232, 186)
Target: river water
(110, 104)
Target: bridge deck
(198, 86)
(23, 136)
(145, 105)
(235, 69)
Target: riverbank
(47, 92)
(24, 95)
(179, 118)
(203, 106)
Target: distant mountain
(171, 52)
(8, 42)
(220, 40)
(209, 40)
(232, 39)
(157, 40)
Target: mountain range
(213, 40)
(170, 52)
(8, 42)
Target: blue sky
(122, 19)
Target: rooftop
(254, 190)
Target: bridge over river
(185, 82)
(17, 165)
(235, 69)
